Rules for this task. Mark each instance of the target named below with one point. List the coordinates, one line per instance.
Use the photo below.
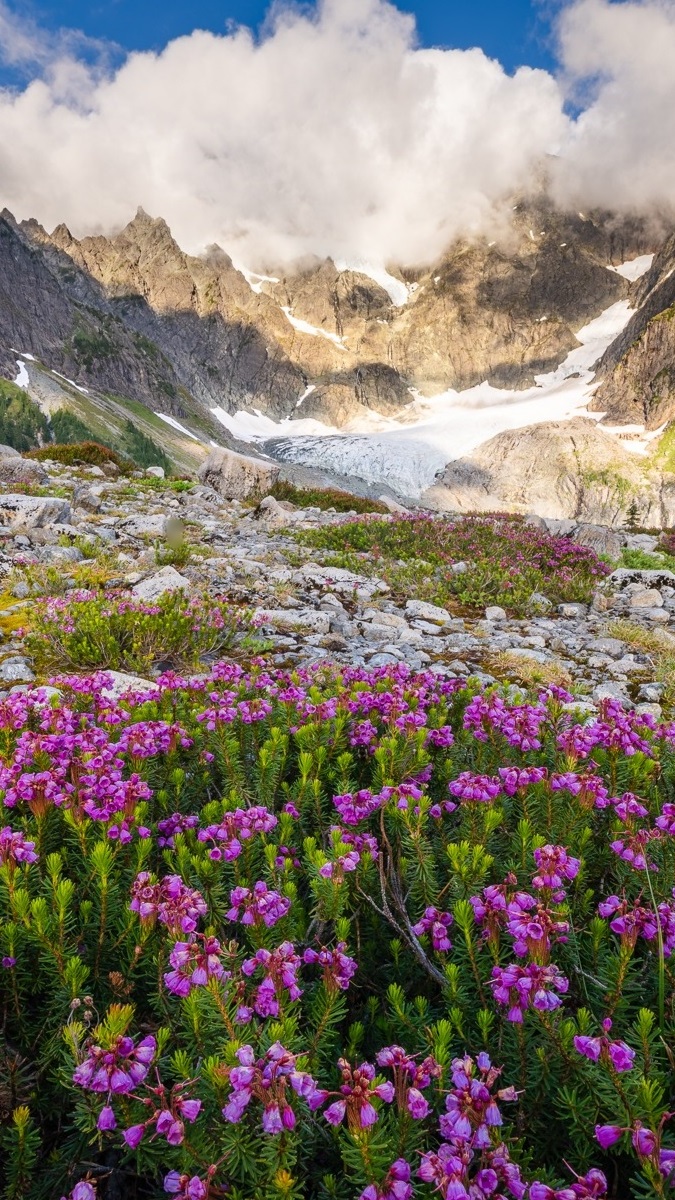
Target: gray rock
(236, 476)
(16, 670)
(155, 472)
(539, 603)
(9, 452)
(145, 525)
(19, 470)
(607, 645)
(651, 692)
(339, 580)
(646, 598)
(572, 610)
(31, 512)
(459, 568)
(383, 659)
(495, 613)
(65, 554)
(652, 578)
(612, 691)
(120, 684)
(166, 580)
(393, 505)
(423, 611)
(303, 619)
(86, 498)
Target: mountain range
(129, 326)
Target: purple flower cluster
(597, 1049)
(234, 828)
(357, 1092)
(267, 1080)
(169, 901)
(280, 968)
(116, 1071)
(194, 963)
(257, 906)
(472, 1163)
(437, 924)
(410, 1077)
(534, 986)
(338, 967)
(15, 849)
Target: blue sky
(515, 31)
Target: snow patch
(307, 392)
(253, 279)
(634, 268)
(84, 390)
(398, 291)
(176, 425)
(22, 380)
(312, 330)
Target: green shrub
(507, 559)
(325, 498)
(644, 560)
(119, 632)
(22, 424)
(73, 454)
(92, 345)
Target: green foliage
(118, 632)
(144, 452)
(22, 424)
(66, 426)
(325, 498)
(92, 345)
(506, 560)
(643, 560)
(115, 796)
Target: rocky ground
(308, 611)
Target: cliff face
(133, 314)
(639, 367)
(562, 469)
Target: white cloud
(335, 134)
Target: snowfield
(407, 454)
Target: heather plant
(355, 934)
(90, 630)
(325, 498)
(507, 560)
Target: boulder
(118, 683)
(31, 512)
(16, 470)
(166, 580)
(9, 452)
(145, 525)
(236, 476)
(495, 613)
(421, 610)
(305, 620)
(155, 472)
